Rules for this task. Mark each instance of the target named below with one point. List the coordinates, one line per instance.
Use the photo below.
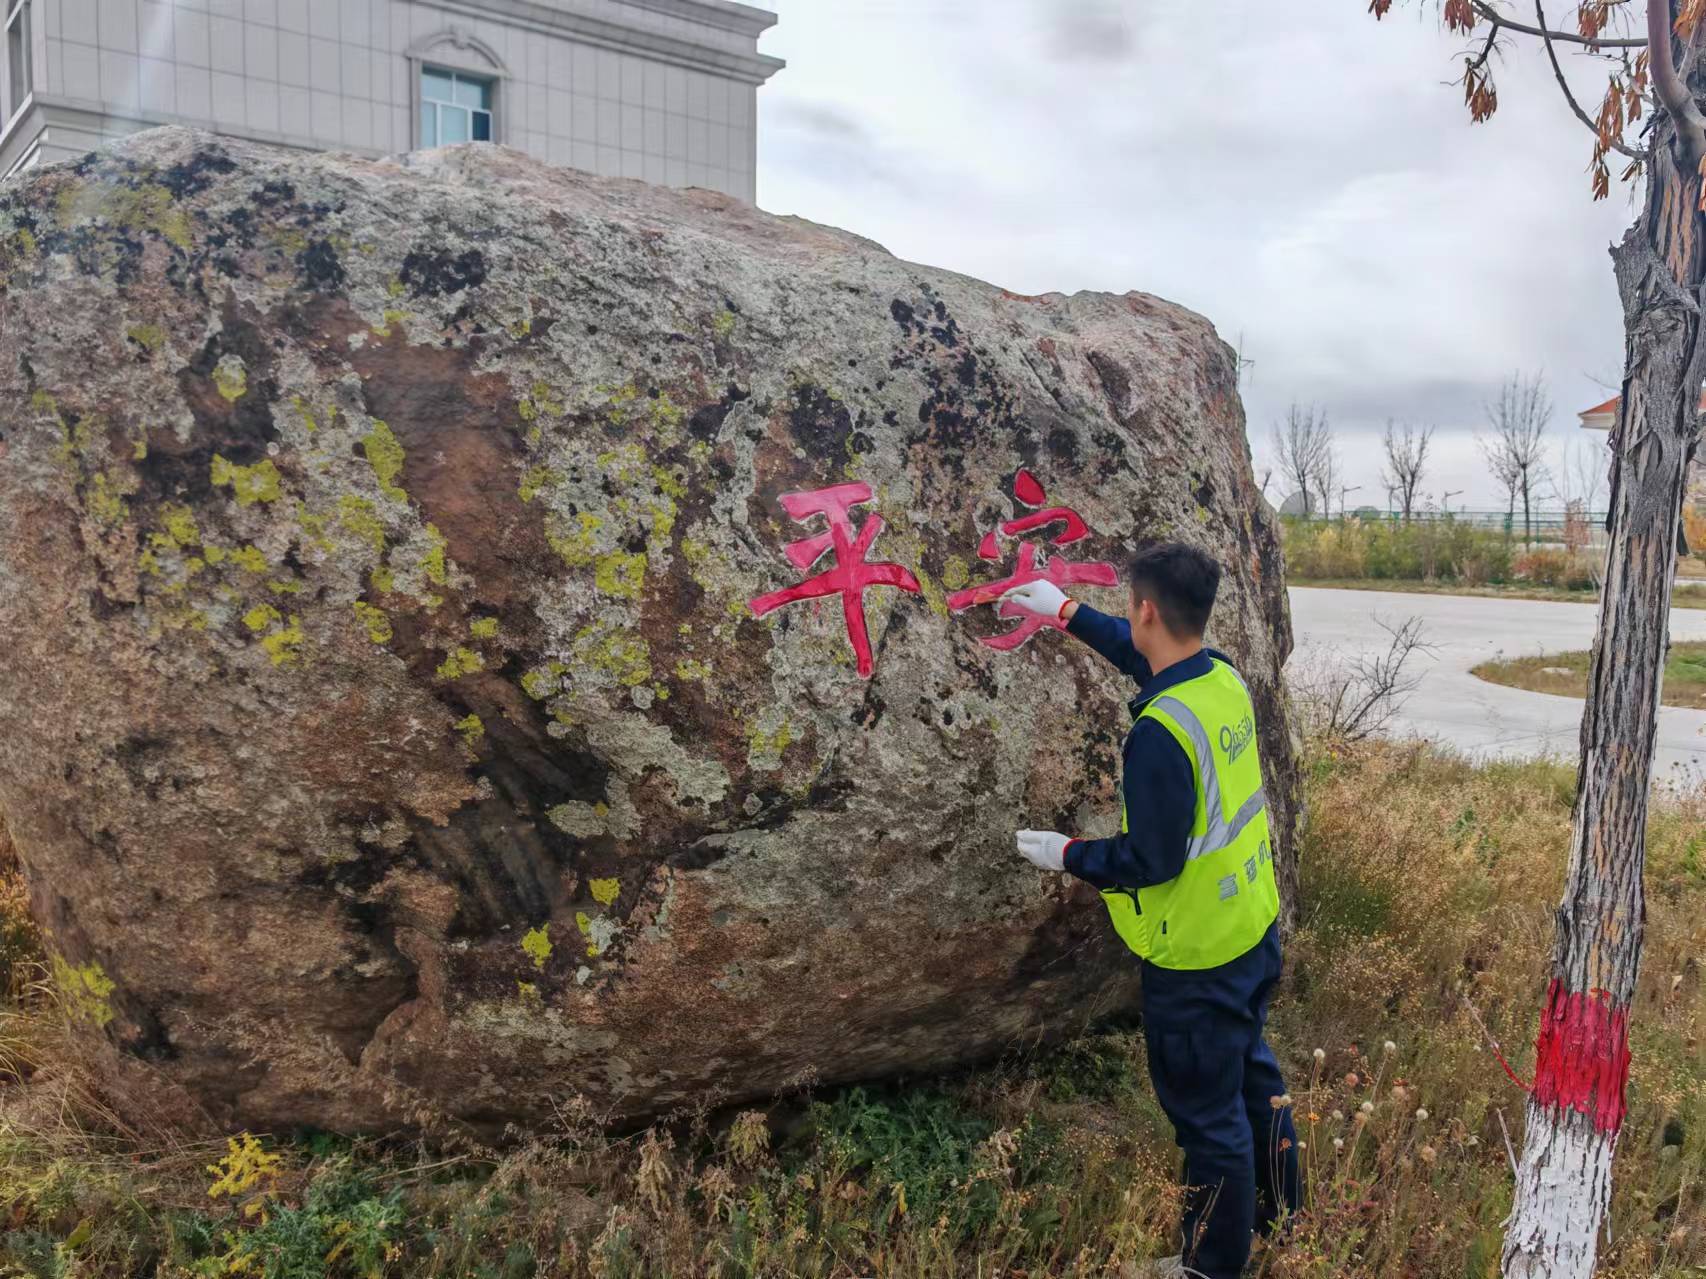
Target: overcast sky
(1303, 176)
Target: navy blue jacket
(1160, 792)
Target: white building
(663, 90)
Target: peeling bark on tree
(1576, 1108)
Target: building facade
(663, 90)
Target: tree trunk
(1576, 1108)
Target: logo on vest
(1235, 741)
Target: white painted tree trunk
(1576, 1106)
(1562, 1193)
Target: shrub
(1555, 568)
(1444, 550)
(1694, 529)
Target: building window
(454, 108)
(17, 55)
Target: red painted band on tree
(1582, 1056)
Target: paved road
(1452, 706)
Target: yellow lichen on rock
(249, 484)
(576, 547)
(361, 518)
(250, 559)
(537, 945)
(231, 378)
(385, 456)
(620, 574)
(150, 337)
(375, 620)
(284, 645)
(459, 662)
(261, 618)
(605, 891)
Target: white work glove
(1043, 849)
(1042, 598)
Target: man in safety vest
(1189, 885)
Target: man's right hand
(1042, 598)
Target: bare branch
(1616, 144)
(1350, 701)
(1690, 124)
(1487, 49)
(1493, 15)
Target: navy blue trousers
(1217, 1081)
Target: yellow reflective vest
(1226, 898)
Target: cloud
(823, 119)
(1088, 31)
(1313, 188)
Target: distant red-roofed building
(1602, 417)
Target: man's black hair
(1180, 581)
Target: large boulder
(387, 726)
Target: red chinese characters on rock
(852, 574)
(1062, 572)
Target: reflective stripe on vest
(1220, 832)
(1226, 897)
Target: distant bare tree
(1580, 475)
(1299, 444)
(1406, 462)
(1327, 478)
(1577, 481)
(1515, 442)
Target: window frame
(17, 25)
(460, 52)
(486, 82)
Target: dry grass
(1566, 674)
(1428, 890)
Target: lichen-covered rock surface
(384, 728)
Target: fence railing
(1545, 525)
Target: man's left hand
(1043, 848)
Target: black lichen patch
(707, 422)
(818, 421)
(1116, 382)
(1062, 445)
(275, 191)
(195, 175)
(946, 330)
(829, 792)
(1112, 445)
(320, 266)
(437, 273)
